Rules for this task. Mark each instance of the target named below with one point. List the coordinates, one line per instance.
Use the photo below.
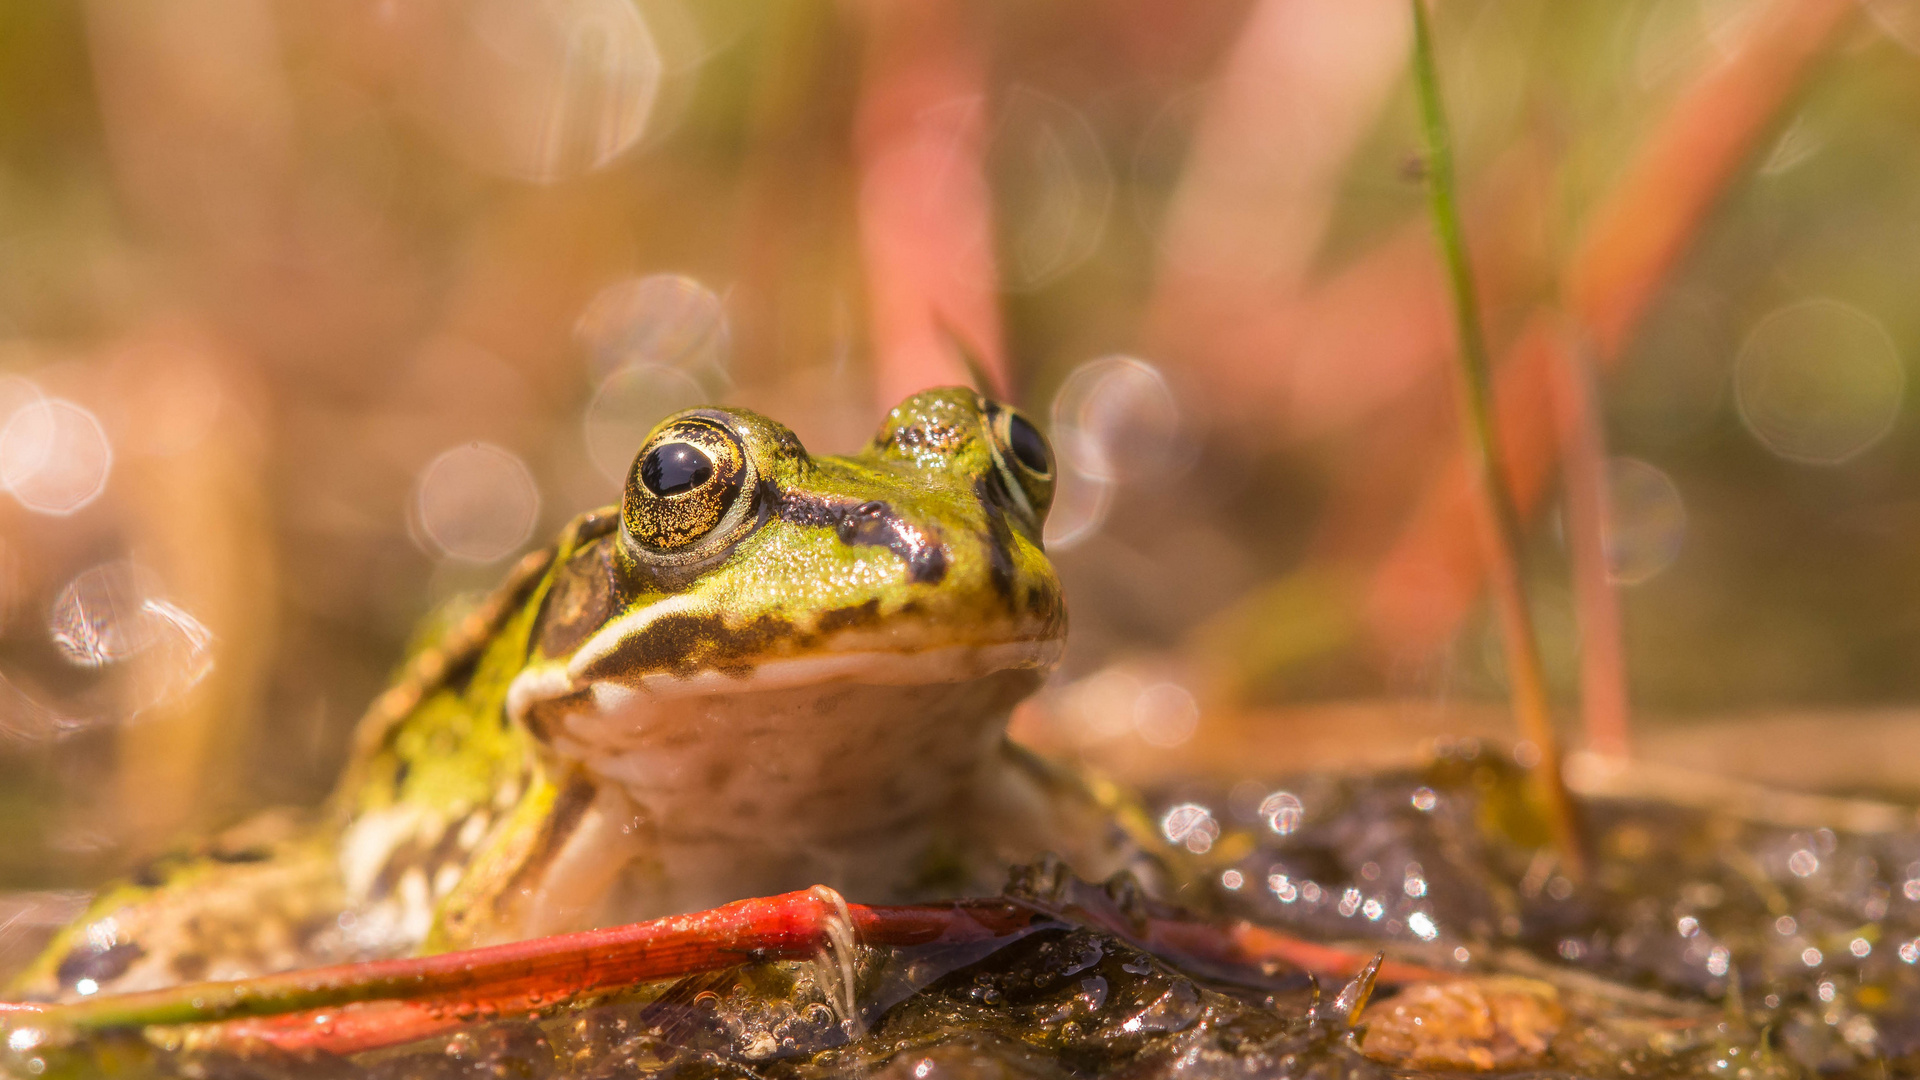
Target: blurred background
(314, 316)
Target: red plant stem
(355, 1007)
(1424, 587)
(1603, 666)
(926, 220)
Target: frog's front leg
(547, 869)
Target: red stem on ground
(356, 1007)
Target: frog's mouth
(678, 649)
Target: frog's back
(280, 890)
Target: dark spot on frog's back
(873, 524)
(100, 965)
(685, 643)
(856, 615)
(581, 600)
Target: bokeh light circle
(477, 503)
(542, 90)
(665, 319)
(1646, 521)
(627, 405)
(1056, 187)
(54, 456)
(1818, 382)
(1116, 419)
(1898, 19)
(1165, 715)
(1080, 505)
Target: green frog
(762, 670)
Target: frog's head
(741, 567)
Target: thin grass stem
(1499, 522)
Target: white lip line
(548, 681)
(607, 639)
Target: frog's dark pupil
(675, 467)
(1027, 444)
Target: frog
(761, 671)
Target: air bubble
(1818, 382)
(477, 503)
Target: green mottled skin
(464, 805)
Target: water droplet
(1232, 879)
(666, 319)
(1818, 382)
(54, 456)
(1116, 419)
(477, 502)
(1860, 947)
(626, 407)
(1191, 825)
(1284, 812)
(1056, 185)
(1810, 956)
(1718, 960)
(115, 612)
(1646, 521)
(541, 90)
(1803, 863)
(1283, 888)
(1424, 799)
(1166, 715)
(1423, 927)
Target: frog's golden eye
(689, 483)
(1023, 455)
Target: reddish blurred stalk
(926, 221)
(1497, 521)
(1603, 665)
